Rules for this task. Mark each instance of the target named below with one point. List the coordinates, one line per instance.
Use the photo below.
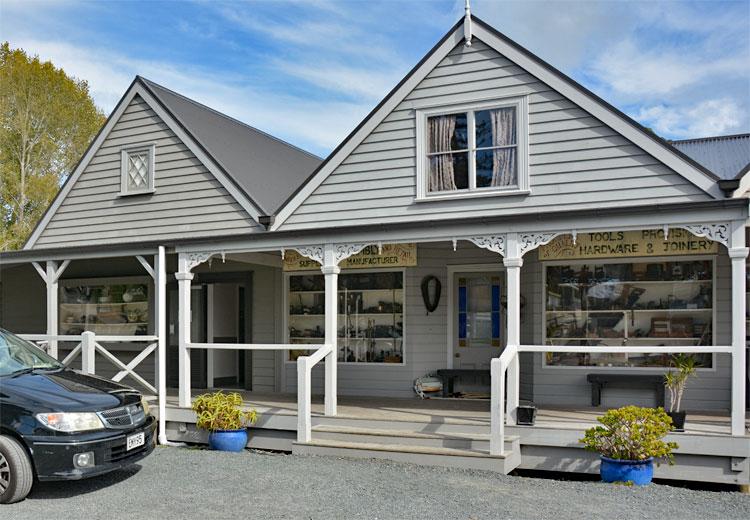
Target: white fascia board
(596, 109)
(225, 181)
(373, 121)
(68, 185)
(114, 118)
(603, 113)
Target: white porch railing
(89, 344)
(500, 411)
(305, 365)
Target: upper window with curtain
(472, 150)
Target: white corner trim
(369, 125)
(603, 113)
(138, 89)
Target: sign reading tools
(621, 244)
(392, 255)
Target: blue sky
(309, 71)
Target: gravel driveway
(188, 483)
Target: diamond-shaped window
(138, 173)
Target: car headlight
(146, 407)
(71, 422)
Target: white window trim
(124, 152)
(635, 259)
(347, 364)
(521, 103)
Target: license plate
(135, 441)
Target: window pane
(447, 132)
(496, 127)
(138, 170)
(497, 168)
(370, 321)
(664, 303)
(449, 172)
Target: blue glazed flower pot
(228, 440)
(639, 472)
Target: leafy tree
(47, 119)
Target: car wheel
(16, 473)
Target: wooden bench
(598, 381)
(449, 375)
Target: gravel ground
(191, 483)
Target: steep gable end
(576, 159)
(188, 199)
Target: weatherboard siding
(188, 202)
(425, 334)
(575, 160)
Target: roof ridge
(230, 118)
(711, 138)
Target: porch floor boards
(451, 411)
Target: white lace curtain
(504, 159)
(441, 130)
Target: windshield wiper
(30, 370)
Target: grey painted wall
(425, 344)
(188, 201)
(575, 160)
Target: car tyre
(16, 472)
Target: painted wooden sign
(621, 244)
(392, 255)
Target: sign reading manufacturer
(620, 244)
(392, 255)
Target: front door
(477, 319)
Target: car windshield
(18, 355)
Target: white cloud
(630, 69)
(316, 125)
(708, 118)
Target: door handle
(457, 354)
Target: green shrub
(632, 433)
(220, 411)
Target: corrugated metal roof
(266, 168)
(727, 156)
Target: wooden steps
(453, 449)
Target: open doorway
(220, 313)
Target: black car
(59, 424)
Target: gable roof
(267, 168)
(684, 165)
(728, 156)
(271, 157)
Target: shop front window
(113, 307)
(648, 303)
(370, 315)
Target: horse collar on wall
(431, 292)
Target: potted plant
(628, 441)
(675, 381)
(223, 417)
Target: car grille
(124, 417)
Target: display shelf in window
(370, 315)
(106, 307)
(662, 303)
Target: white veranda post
(513, 261)
(184, 278)
(738, 253)
(160, 263)
(331, 271)
(51, 276)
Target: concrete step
(456, 440)
(448, 425)
(422, 455)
